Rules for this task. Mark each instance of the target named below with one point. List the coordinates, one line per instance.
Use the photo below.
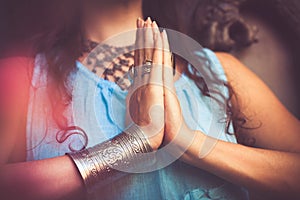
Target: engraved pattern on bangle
(107, 160)
(112, 153)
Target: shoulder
(16, 64)
(237, 72)
(15, 78)
(227, 60)
(224, 55)
(15, 72)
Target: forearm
(55, 178)
(272, 173)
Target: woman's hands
(152, 101)
(145, 99)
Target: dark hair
(63, 44)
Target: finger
(137, 37)
(148, 50)
(139, 42)
(139, 52)
(148, 39)
(156, 72)
(167, 59)
(168, 79)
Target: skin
(143, 99)
(270, 170)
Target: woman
(37, 139)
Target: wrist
(152, 135)
(184, 137)
(198, 147)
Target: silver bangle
(108, 161)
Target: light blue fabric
(98, 107)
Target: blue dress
(98, 107)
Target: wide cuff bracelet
(110, 160)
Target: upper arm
(269, 123)
(15, 77)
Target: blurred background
(264, 35)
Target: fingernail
(149, 20)
(164, 34)
(154, 23)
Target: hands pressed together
(152, 102)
